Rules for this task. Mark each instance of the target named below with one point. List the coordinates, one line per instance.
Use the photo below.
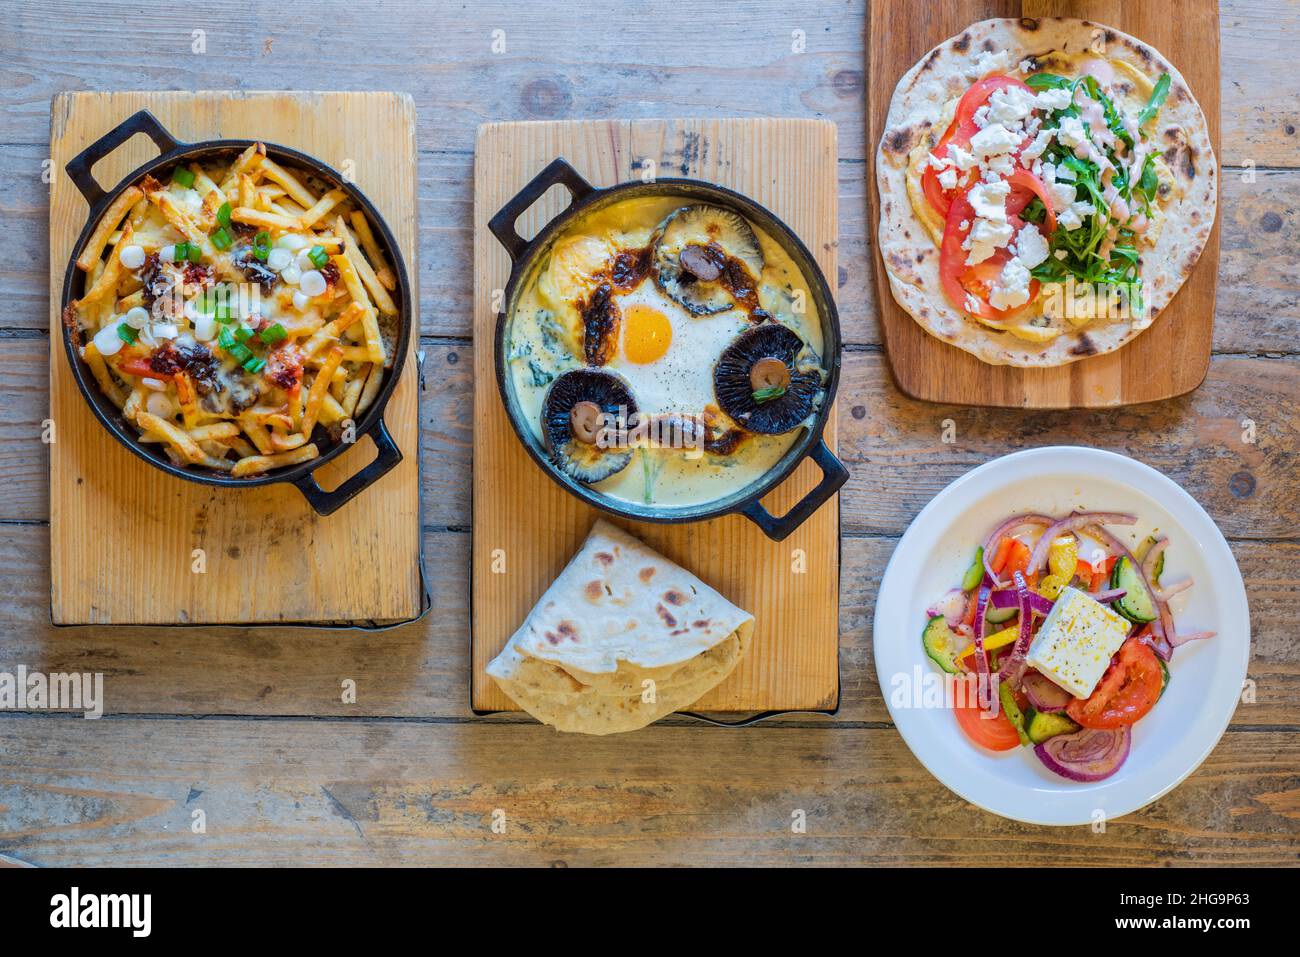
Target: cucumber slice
(1012, 710)
(1164, 677)
(1137, 604)
(941, 644)
(1043, 726)
(996, 616)
(975, 574)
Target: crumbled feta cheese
(1071, 133)
(948, 179)
(985, 239)
(1061, 254)
(972, 303)
(1074, 646)
(1073, 215)
(938, 162)
(993, 139)
(1031, 247)
(988, 200)
(1026, 66)
(981, 116)
(1010, 105)
(1011, 288)
(1064, 174)
(991, 61)
(1055, 99)
(1062, 194)
(1035, 149)
(961, 158)
(1001, 165)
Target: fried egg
(666, 354)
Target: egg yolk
(647, 334)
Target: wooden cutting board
(1168, 359)
(526, 528)
(127, 541)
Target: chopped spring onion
(273, 334)
(226, 339)
(183, 176)
(243, 333)
(221, 238)
(126, 333)
(188, 250)
(318, 256)
(223, 215)
(767, 395)
(262, 245)
(240, 352)
(255, 364)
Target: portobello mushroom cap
(567, 413)
(706, 258)
(753, 365)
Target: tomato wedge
(995, 732)
(140, 366)
(959, 132)
(1127, 691)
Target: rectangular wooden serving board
(526, 528)
(130, 544)
(1168, 359)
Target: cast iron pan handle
(326, 503)
(834, 474)
(79, 168)
(503, 223)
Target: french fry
(371, 391)
(106, 281)
(376, 289)
(333, 330)
(319, 388)
(257, 433)
(361, 226)
(100, 371)
(108, 224)
(188, 399)
(179, 218)
(175, 436)
(256, 217)
(214, 432)
(369, 321)
(283, 441)
(254, 464)
(248, 162)
(316, 212)
(299, 193)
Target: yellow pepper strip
(998, 639)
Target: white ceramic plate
(1206, 676)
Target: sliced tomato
(961, 281)
(1127, 691)
(1085, 572)
(959, 133)
(992, 731)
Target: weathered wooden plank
(647, 66)
(125, 792)
(1257, 310)
(422, 670)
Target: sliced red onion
(1153, 556)
(1179, 640)
(981, 656)
(1164, 594)
(1006, 598)
(1073, 523)
(1014, 664)
(952, 606)
(1043, 694)
(1159, 645)
(1010, 525)
(1088, 755)
(1107, 596)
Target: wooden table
(249, 726)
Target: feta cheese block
(1076, 642)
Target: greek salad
(1065, 635)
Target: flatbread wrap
(1046, 186)
(622, 638)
